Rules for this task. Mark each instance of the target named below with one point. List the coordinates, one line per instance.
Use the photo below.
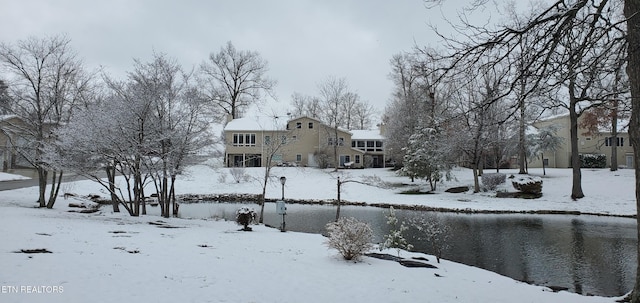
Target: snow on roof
(256, 123)
(7, 117)
(371, 134)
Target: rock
(527, 184)
(414, 263)
(457, 190)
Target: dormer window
(310, 125)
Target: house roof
(366, 134)
(7, 117)
(257, 123)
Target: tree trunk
(339, 202)
(631, 11)
(42, 185)
(172, 196)
(521, 132)
(544, 171)
(111, 177)
(614, 136)
(576, 188)
(55, 189)
(267, 170)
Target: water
(585, 254)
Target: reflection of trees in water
(577, 255)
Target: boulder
(457, 190)
(527, 184)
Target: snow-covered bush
(395, 238)
(245, 216)
(350, 237)
(491, 181)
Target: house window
(298, 124)
(298, 158)
(330, 141)
(340, 141)
(284, 139)
(294, 138)
(267, 140)
(370, 146)
(360, 144)
(244, 139)
(378, 145)
(608, 141)
(310, 125)
(357, 159)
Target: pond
(584, 254)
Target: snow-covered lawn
(11, 177)
(109, 257)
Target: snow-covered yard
(111, 257)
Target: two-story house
(303, 141)
(599, 143)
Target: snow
(112, 257)
(256, 123)
(367, 134)
(11, 177)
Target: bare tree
(274, 142)
(46, 82)
(363, 114)
(333, 92)
(235, 79)
(632, 13)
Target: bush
(350, 237)
(395, 238)
(245, 216)
(593, 161)
(491, 181)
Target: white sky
(304, 41)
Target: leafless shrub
(350, 237)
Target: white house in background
(309, 142)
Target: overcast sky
(303, 41)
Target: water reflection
(585, 254)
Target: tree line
(146, 127)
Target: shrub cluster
(245, 216)
(350, 237)
(491, 181)
(593, 160)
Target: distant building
(599, 143)
(305, 141)
(10, 126)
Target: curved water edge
(255, 198)
(591, 255)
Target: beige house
(587, 144)
(9, 127)
(302, 141)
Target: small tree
(424, 159)
(431, 230)
(545, 140)
(395, 238)
(350, 237)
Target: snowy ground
(107, 257)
